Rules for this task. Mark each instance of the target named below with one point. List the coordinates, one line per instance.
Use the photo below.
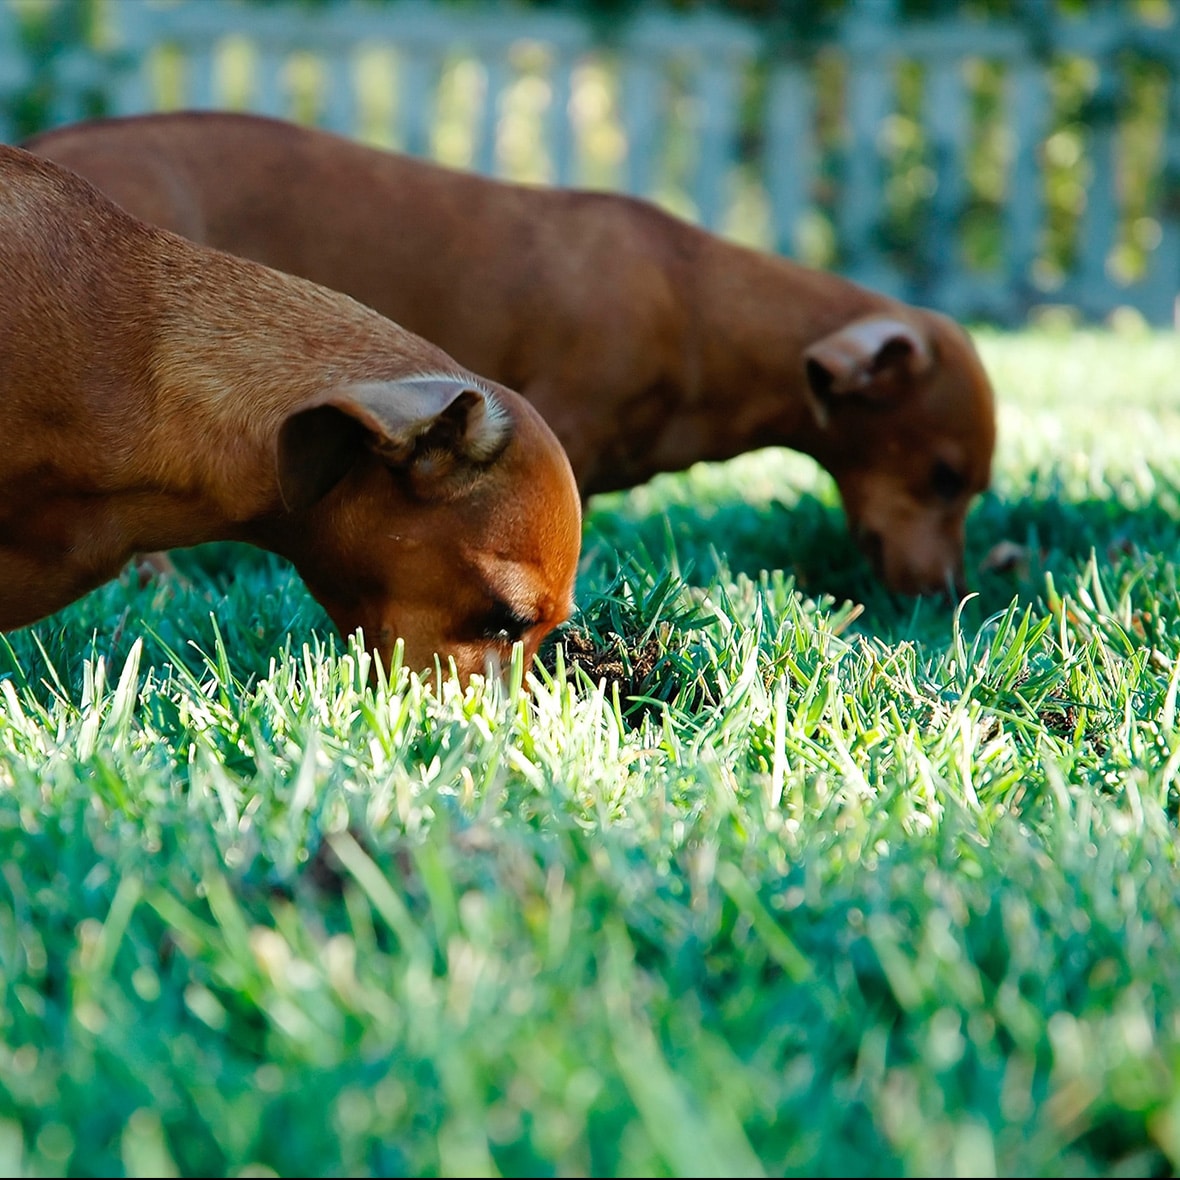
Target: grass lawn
(772, 873)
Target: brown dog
(158, 394)
(646, 343)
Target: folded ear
(871, 358)
(433, 427)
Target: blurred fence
(982, 167)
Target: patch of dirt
(615, 658)
(1063, 722)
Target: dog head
(438, 510)
(906, 421)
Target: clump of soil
(628, 662)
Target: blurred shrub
(50, 31)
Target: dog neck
(749, 317)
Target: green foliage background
(1079, 102)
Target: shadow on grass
(228, 613)
(1013, 547)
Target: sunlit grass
(754, 878)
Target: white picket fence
(939, 161)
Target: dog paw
(1005, 557)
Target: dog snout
(946, 583)
(916, 569)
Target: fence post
(641, 91)
(945, 123)
(868, 95)
(1024, 207)
(1099, 222)
(558, 128)
(790, 156)
(1163, 281)
(417, 85)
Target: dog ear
(433, 428)
(871, 358)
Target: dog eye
(947, 483)
(504, 624)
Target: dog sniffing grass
(771, 872)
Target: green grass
(771, 873)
